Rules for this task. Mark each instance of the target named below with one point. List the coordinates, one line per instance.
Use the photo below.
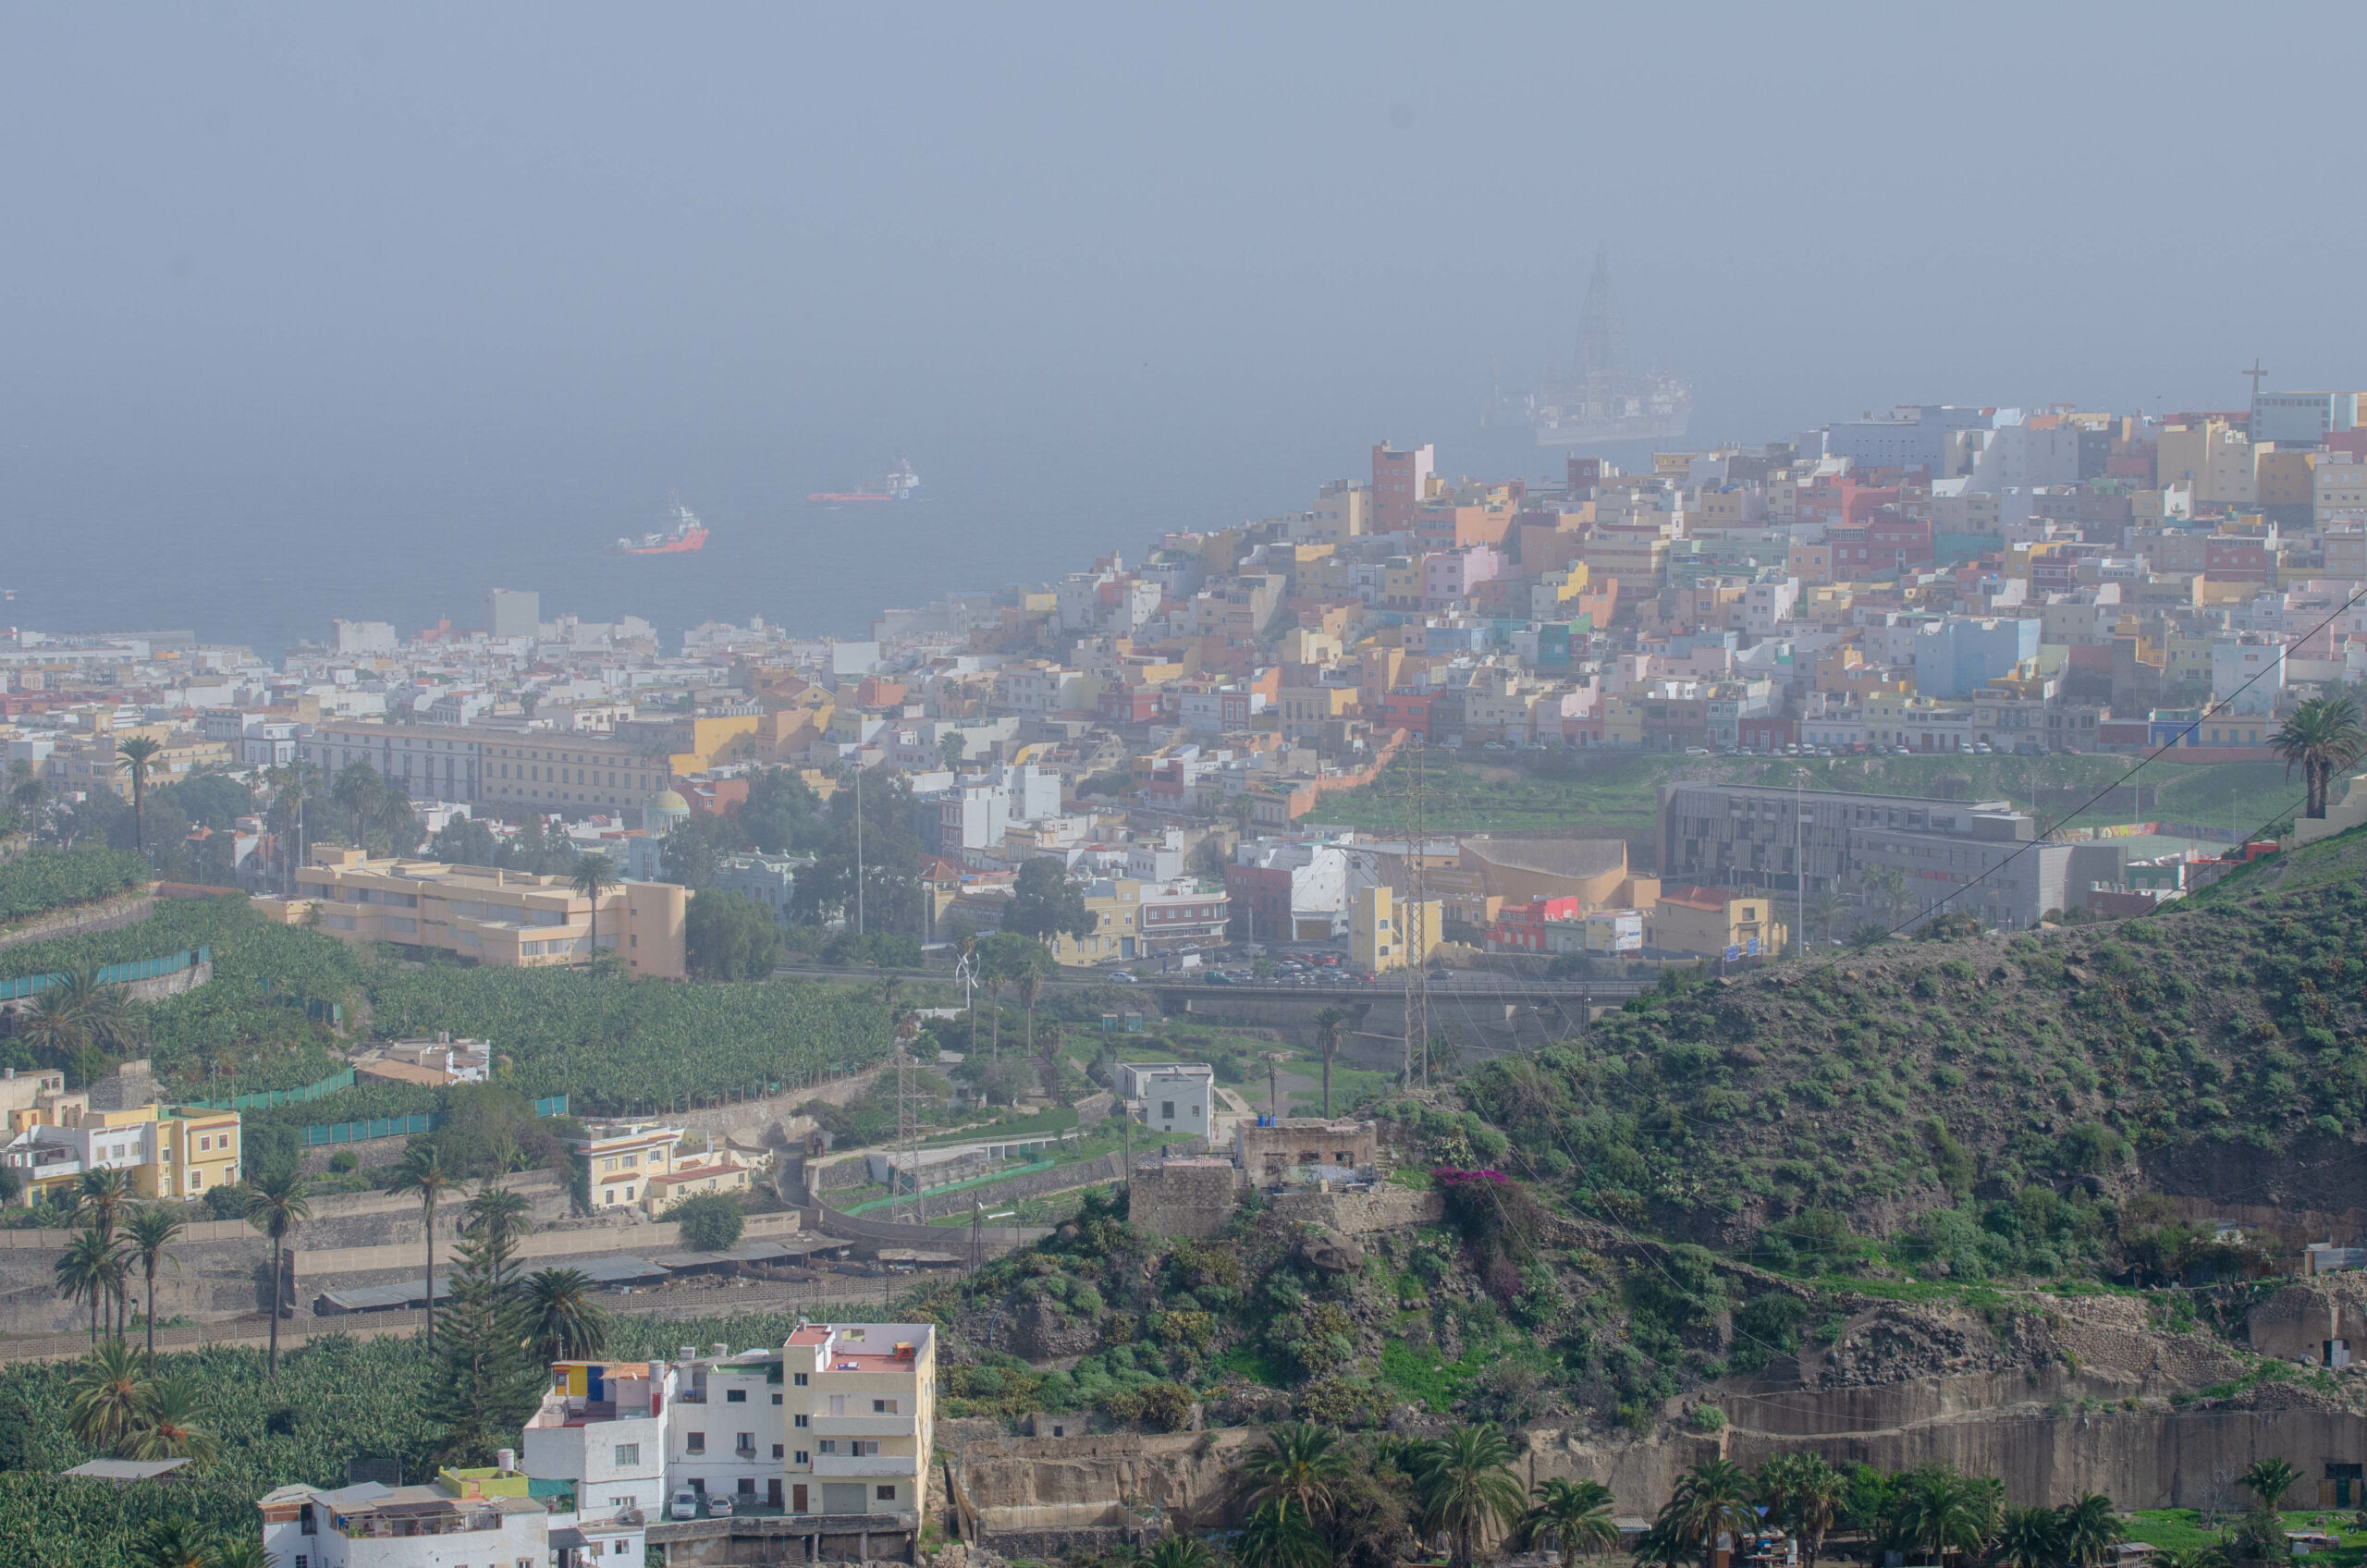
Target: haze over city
(1058, 786)
(305, 302)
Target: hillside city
(1774, 1001)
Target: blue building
(1961, 653)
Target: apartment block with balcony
(504, 918)
(867, 1394)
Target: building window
(736, 1396)
(885, 1493)
(801, 1419)
(800, 1378)
(883, 1407)
(627, 1455)
(695, 1442)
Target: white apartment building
(835, 1425)
(463, 1519)
(1180, 1103)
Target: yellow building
(1711, 921)
(505, 918)
(1385, 929)
(694, 1173)
(623, 1157)
(163, 1152)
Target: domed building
(665, 811)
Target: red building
(1520, 928)
(1399, 480)
(1408, 709)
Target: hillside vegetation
(2006, 1106)
(269, 1018)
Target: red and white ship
(900, 484)
(687, 532)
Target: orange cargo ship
(687, 533)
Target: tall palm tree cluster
(117, 1240)
(1459, 1487)
(1932, 1516)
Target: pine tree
(486, 1380)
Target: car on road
(1216, 977)
(685, 1506)
(1124, 977)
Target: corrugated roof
(125, 1469)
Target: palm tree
(2031, 1537)
(147, 1231)
(277, 1202)
(2090, 1529)
(1031, 984)
(180, 1543)
(1938, 1512)
(99, 1199)
(422, 1172)
(1576, 1514)
(1331, 1034)
(244, 1551)
(1300, 1462)
(497, 1214)
(169, 1425)
(594, 875)
(992, 981)
(1823, 911)
(134, 757)
(2322, 737)
(1818, 1492)
(357, 789)
(1277, 1535)
(25, 791)
(106, 1396)
(1869, 936)
(1465, 1485)
(2269, 1479)
(1711, 1498)
(1180, 1552)
(565, 1322)
(83, 1270)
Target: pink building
(1449, 576)
(1399, 480)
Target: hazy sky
(1214, 250)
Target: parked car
(685, 1505)
(717, 1506)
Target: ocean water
(246, 543)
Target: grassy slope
(2220, 1041)
(1619, 794)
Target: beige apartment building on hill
(505, 918)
